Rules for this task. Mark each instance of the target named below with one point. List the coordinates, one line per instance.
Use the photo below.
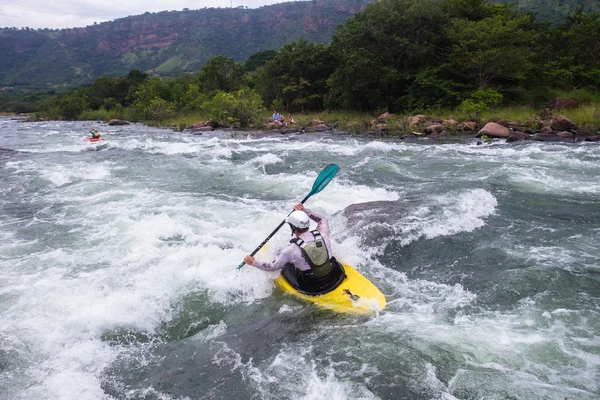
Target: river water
(118, 264)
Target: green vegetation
(468, 58)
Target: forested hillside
(170, 43)
(166, 43)
(553, 10)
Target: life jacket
(316, 255)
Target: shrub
(240, 108)
(480, 101)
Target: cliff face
(166, 43)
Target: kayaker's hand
(249, 260)
(299, 207)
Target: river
(118, 260)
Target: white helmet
(298, 219)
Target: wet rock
(516, 136)
(435, 128)
(362, 214)
(437, 135)
(200, 129)
(566, 134)
(114, 122)
(317, 128)
(494, 130)
(562, 123)
(468, 126)
(547, 137)
(515, 126)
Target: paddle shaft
(260, 246)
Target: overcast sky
(78, 13)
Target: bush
(240, 108)
(480, 101)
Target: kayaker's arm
(322, 223)
(284, 257)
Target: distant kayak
(94, 139)
(353, 294)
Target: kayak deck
(356, 294)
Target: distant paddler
(95, 136)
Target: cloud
(70, 13)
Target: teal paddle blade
(324, 178)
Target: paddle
(322, 180)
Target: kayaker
(309, 252)
(94, 133)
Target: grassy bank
(586, 116)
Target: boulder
(450, 123)
(564, 103)
(547, 137)
(317, 128)
(516, 126)
(113, 122)
(316, 122)
(437, 135)
(416, 119)
(199, 124)
(385, 116)
(516, 136)
(562, 123)
(494, 130)
(205, 128)
(593, 138)
(469, 126)
(566, 134)
(437, 128)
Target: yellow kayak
(355, 294)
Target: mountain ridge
(168, 42)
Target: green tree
(72, 105)
(222, 74)
(574, 54)
(472, 10)
(159, 110)
(258, 59)
(498, 48)
(102, 88)
(382, 50)
(297, 76)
